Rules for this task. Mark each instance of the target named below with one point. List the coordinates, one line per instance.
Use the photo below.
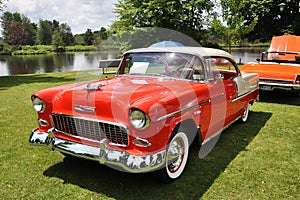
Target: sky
(80, 15)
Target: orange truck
(279, 67)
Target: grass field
(256, 160)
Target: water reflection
(245, 57)
(36, 64)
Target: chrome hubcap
(175, 155)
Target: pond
(37, 64)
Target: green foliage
(272, 21)
(44, 33)
(66, 34)
(44, 49)
(233, 24)
(144, 37)
(77, 48)
(252, 20)
(57, 39)
(187, 17)
(17, 29)
(33, 50)
(88, 37)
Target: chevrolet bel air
(279, 67)
(145, 118)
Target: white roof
(200, 51)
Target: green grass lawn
(256, 160)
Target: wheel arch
(193, 132)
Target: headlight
(38, 104)
(139, 119)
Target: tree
(67, 36)
(17, 29)
(88, 37)
(103, 33)
(16, 33)
(186, 16)
(57, 39)
(79, 39)
(100, 35)
(54, 25)
(6, 19)
(62, 35)
(272, 21)
(233, 24)
(30, 30)
(44, 33)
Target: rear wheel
(176, 157)
(245, 115)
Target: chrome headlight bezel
(138, 119)
(38, 104)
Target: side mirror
(218, 78)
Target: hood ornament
(84, 108)
(93, 87)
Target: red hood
(273, 70)
(112, 98)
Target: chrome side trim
(217, 97)
(241, 96)
(183, 110)
(117, 159)
(189, 108)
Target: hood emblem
(84, 108)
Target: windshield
(281, 57)
(175, 65)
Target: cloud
(80, 14)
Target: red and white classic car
(146, 117)
(279, 67)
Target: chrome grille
(89, 129)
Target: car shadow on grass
(196, 180)
(279, 97)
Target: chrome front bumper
(116, 159)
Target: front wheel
(176, 157)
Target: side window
(220, 65)
(199, 72)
